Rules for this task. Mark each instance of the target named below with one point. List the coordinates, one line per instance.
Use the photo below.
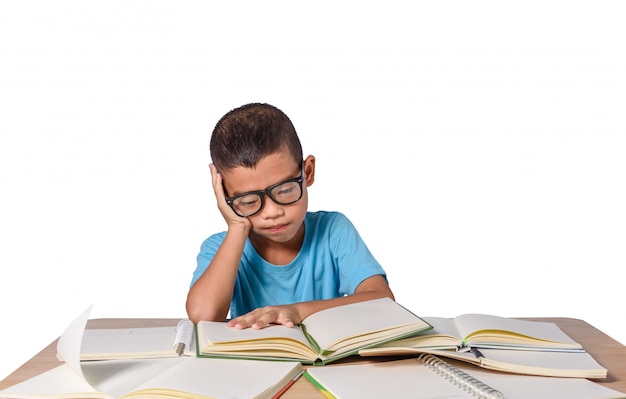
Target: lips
(278, 228)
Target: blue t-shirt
(332, 262)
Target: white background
(478, 146)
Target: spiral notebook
(430, 377)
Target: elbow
(194, 316)
(387, 293)
(196, 313)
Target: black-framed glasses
(283, 193)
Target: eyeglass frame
(267, 192)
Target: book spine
(460, 378)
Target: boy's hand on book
(286, 315)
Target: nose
(271, 209)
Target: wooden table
(607, 351)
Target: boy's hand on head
(263, 317)
(228, 214)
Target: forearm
(209, 298)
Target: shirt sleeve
(208, 249)
(354, 260)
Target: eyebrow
(300, 172)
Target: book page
(129, 343)
(515, 386)
(545, 363)
(564, 364)
(410, 379)
(444, 334)
(108, 379)
(213, 334)
(403, 379)
(470, 324)
(68, 346)
(223, 378)
(330, 326)
(61, 382)
(118, 377)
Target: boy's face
(274, 222)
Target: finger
(285, 320)
(246, 320)
(216, 179)
(239, 323)
(263, 321)
(269, 316)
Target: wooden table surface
(607, 351)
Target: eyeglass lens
(284, 194)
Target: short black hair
(248, 133)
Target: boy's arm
(289, 315)
(210, 296)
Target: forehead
(270, 170)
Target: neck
(278, 253)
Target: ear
(309, 170)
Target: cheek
(303, 204)
(296, 212)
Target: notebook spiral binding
(460, 378)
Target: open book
(138, 343)
(544, 363)
(321, 338)
(487, 331)
(180, 377)
(175, 377)
(430, 377)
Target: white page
(117, 377)
(122, 340)
(468, 323)
(399, 380)
(525, 387)
(220, 332)
(59, 382)
(218, 378)
(68, 346)
(444, 326)
(113, 343)
(224, 378)
(543, 359)
(409, 379)
(362, 317)
(548, 363)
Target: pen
(476, 353)
(289, 384)
(180, 348)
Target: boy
(276, 263)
